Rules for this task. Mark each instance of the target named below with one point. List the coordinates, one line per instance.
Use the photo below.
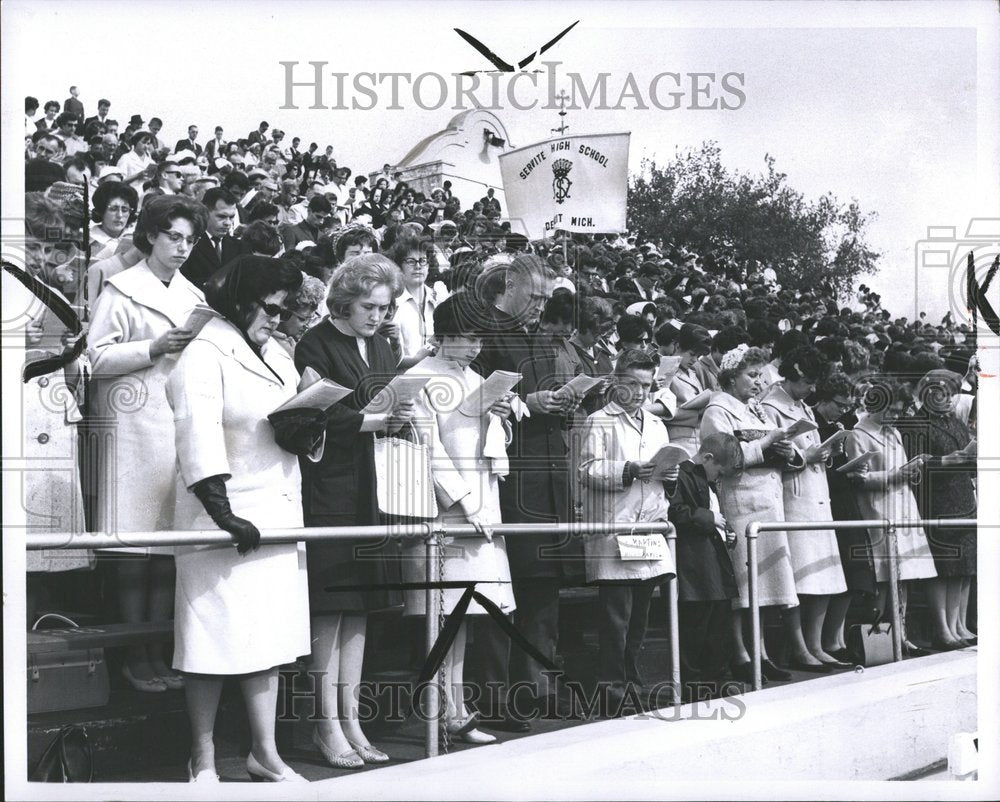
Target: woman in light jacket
(753, 494)
(886, 490)
(242, 611)
(135, 336)
(815, 554)
(468, 457)
(693, 341)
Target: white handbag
(403, 484)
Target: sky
(880, 103)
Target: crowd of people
(304, 275)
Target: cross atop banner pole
(562, 97)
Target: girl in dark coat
(706, 583)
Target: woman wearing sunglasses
(136, 334)
(240, 612)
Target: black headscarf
(235, 290)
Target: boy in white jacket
(617, 484)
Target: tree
(696, 203)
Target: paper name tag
(642, 547)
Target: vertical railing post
(892, 549)
(432, 605)
(672, 587)
(753, 529)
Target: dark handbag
(68, 679)
(67, 759)
(871, 644)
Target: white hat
(306, 243)
(107, 171)
(181, 155)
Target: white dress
(236, 614)
(460, 468)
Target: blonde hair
(358, 277)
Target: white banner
(573, 183)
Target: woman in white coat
(885, 491)
(815, 554)
(468, 457)
(753, 494)
(135, 333)
(239, 612)
(693, 341)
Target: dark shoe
(971, 641)
(743, 672)
(837, 665)
(773, 673)
(822, 668)
(507, 723)
(842, 656)
(945, 646)
(912, 650)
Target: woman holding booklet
(136, 334)
(806, 496)
(886, 486)
(240, 612)
(462, 418)
(340, 490)
(753, 494)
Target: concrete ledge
(870, 725)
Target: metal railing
(754, 528)
(428, 532)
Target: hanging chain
(443, 688)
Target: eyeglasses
(844, 406)
(176, 238)
(119, 209)
(275, 310)
(411, 262)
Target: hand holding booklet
(801, 426)
(581, 384)
(669, 365)
(666, 458)
(496, 386)
(314, 393)
(858, 462)
(401, 389)
(200, 315)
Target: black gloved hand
(211, 492)
(298, 430)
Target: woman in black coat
(946, 491)
(834, 412)
(339, 490)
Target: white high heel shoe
(258, 773)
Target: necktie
(217, 241)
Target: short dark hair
(30, 104)
(262, 238)
(404, 246)
(804, 362)
(52, 104)
(724, 448)
(460, 315)
(560, 308)
(104, 102)
(262, 210)
(66, 117)
(215, 194)
(354, 236)
(160, 211)
(833, 385)
(728, 338)
(106, 193)
(236, 179)
(139, 136)
(318, 204)
(632, 327)
(259, 277)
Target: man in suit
(491, 206)
(73, 105)
(258, 135)
(103, 108)
(217, 247)
(189, 143)
(215, 146)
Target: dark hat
(136, 120)
(694, 338)
(40, 174)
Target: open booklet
(698, 402)
(581, 384)
(401, 389)
(858, 462)
(200, 315)
(666, 458)
(801, 426)
(493, 388)
(669, 365)
(314, 393)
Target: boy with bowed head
(617, 484)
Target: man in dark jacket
(217, 246)
(706, 582)
(537, 487)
